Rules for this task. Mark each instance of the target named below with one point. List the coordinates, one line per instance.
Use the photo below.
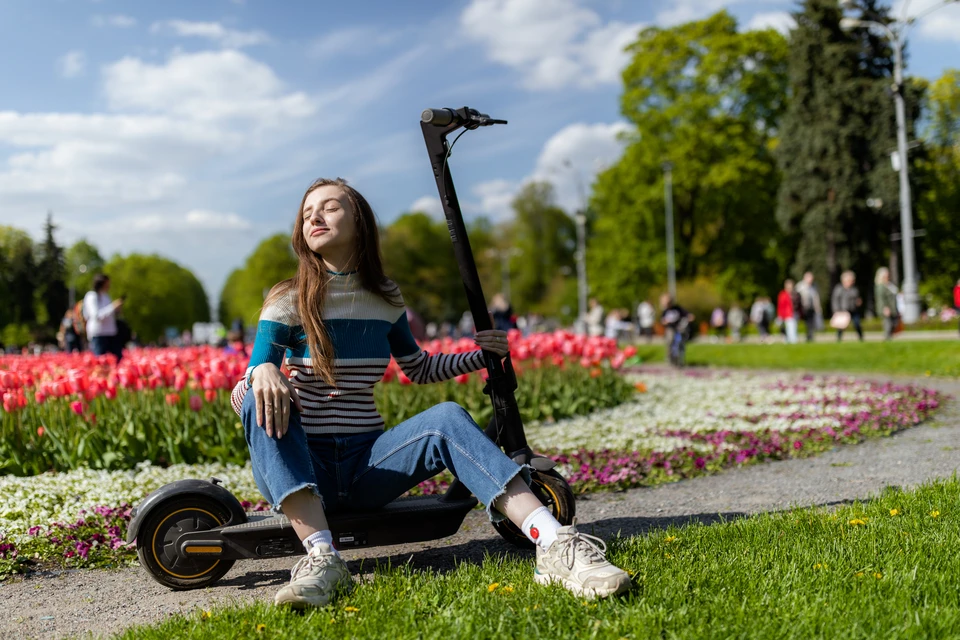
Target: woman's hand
(493, 340)
(274, 395)
(886, 312)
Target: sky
(191, 129)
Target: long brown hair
(312, 278)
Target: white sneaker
(578, 562)
(316, 579)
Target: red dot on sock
(534, 533)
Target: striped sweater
(365, 331)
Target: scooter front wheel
(555, 494)
(156, 542)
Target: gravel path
(95, 602)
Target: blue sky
(191, 129)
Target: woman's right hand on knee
(274, 395)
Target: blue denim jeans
(368, 470)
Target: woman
(100, 313)
(788, 309)
(885, 297)
(846, 297)
(316, 440)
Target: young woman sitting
(316, 440)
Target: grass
(918, 358)
(889, 567)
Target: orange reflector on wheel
(215, 550)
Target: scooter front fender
(173, 490)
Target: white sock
(316, 538)
(540, 527)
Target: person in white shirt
(100, 313)
(646, 315)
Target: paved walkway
(75, 602)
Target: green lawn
(938, 358)
(886, 568)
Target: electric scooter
(189, 533)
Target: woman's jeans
(366, 471)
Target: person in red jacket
(956, 296)
(787, 310)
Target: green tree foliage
(159, 294)
(82, 253)
(837, 133)
(242, 296)
(547, 240)
(707, 98)
(418, 256)
(18, 276)
(938, 202)
(51, 292)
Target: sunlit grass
(889, 567)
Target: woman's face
(328, 219)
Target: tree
(838, 131)
(242, 296)
(547, 239)
(938, 201)
(707, 98)
(418, 255)
(82, 255)
(19, 277)
(51, 294)
(159, 294)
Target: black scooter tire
(184, 513)
(555, 493)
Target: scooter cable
(443, 171)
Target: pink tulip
(196, 403)
(77, 407)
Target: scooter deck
(269, 534)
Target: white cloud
(118, 21)
(192, 220)
(569, 160)
(210, 85)
(782, 21)
(680, 11)
(351, 40)
(941, 24)
(554, 43)
(72, 64)
(429, 205)
(214, 31)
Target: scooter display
(189, 533)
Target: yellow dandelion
(351, 609)
(894, 512)
(670, 539)
(859, 574)
(506, 590)
(261, 628)
(856, 522)
(878, 576)
(934, 514)
(535, 607)
(819, 565)
(205, 615)
(667, 555)
(493, 587)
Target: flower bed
(675, 427)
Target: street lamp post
(896, 35)
(73, 284)
(580, 218)
(668, 204)
(504, 256)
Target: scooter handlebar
(470, 118)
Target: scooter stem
(507, 427)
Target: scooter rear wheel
(555, 494)
(156, 542)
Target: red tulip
(77, 407)
(40, 431)
(172, 399)
(210, 395)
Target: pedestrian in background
(595, 318)
(885, 298)
(718, 320)
(787, 310)
(758, 317)
(100, 313)
(956, 297)
(646, 316)
(70, 330)
(810, 306)
(845, 301)
(735, 320)
(502, 313)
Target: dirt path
(97, 602)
